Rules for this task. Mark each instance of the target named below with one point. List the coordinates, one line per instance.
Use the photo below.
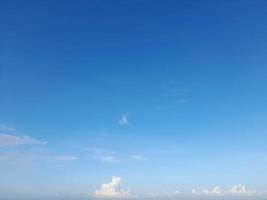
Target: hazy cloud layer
(238, 189)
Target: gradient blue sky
(168, 95)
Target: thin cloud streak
(108, 156)
(6, 128)
(8, 140)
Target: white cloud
(216, 190)
(194, 191)
(165, 194)
(124, 120)
(18, 157)
(240, 189)
(28, 156)
(103, 155)
(99, 151)
(66, 158)
(7, 140)
(111, 156)
(4, 127)
(106, 158)
(110, 190)
(136, 157)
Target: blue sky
(167, 97)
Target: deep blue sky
(166, 95)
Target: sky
(133, 99)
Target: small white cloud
(124, 120)
(216, 190)
(240, 189)
(7, 140)
(110, 190)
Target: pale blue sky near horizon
(168, 95)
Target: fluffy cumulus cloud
(124, 120)
(7, 140)
(240, 189)
(111, 190)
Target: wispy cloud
(124, 120)
(103, 155)
(108, 156)
(99, 151)
(66, 158)
(19, 157)
(7, 140)
(10, 154)
(33, 155)
(111, 189)
(164, 194)
(136, 157)
(6, 128)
